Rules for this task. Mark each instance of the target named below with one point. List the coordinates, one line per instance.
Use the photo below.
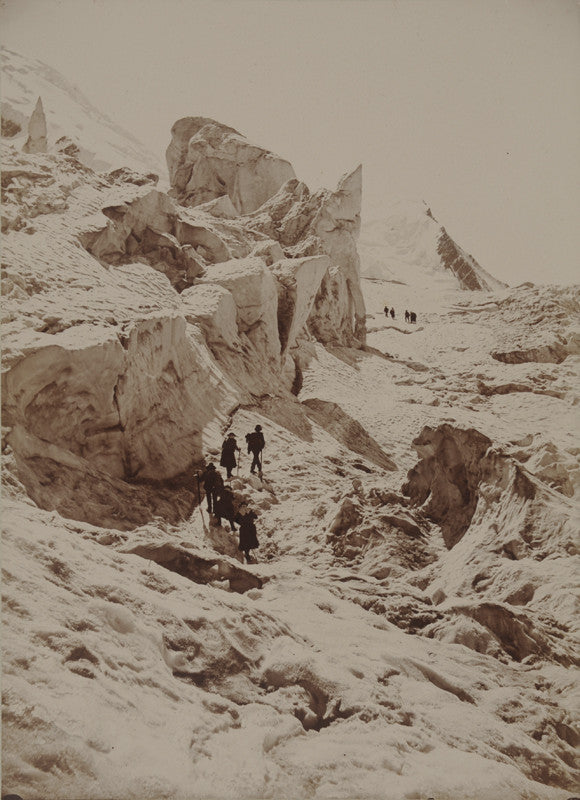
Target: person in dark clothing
(413, 316)
(256, 444)
(228, 457)
(224, 507)
(407, 316)
(386, 310)
(392, 313)
(248, 534)
(212, 483)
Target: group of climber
(255, 442)
(410, 316)
(220, 498)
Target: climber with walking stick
(256, 444)
(228, 456)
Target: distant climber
(256, 443)
(413, 316)
(407, 316)
(248, 534)
(386, 310)
(392, 313)
(212, 484)
(224, 507)
(228, 457)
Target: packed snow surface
(125, 679)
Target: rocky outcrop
(446, 479)
(36, 142)
(207, 160)
(468, 272)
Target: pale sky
(470, 105)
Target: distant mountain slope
(408, 244)
(103, 144)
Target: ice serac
(207, 160)
(323, 223)
(133, 404)
(338, 228)
(36, 142)
(152, 230)
(298, 284)
(255, 295)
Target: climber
(392, 312)
(413, 316)
(228, 457)
(407, 316)
(386, 310)
(256, 443)
(224, 507)
(212, 483)
(248, 535)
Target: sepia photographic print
(290, 399)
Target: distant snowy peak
(102, 144)
(408, 245)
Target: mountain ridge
(103, 143)
(408, 237)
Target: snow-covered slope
(410, 246)
(359, 657)
(103, 144)
(408, 627)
